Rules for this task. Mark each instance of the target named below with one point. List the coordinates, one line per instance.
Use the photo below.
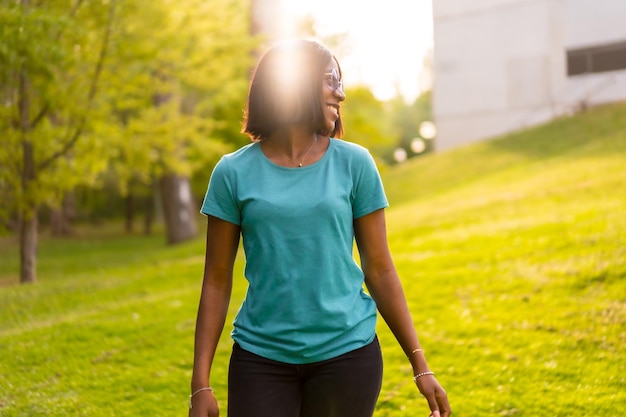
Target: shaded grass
(513, 257)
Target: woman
(305, 342)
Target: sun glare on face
(286, 70)
(287, 74)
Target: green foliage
(49, 53)
(178, 91)
(366, 120)
(135, 89)
(168, 97)
(382, 126)
(512, 255)
(406, 120)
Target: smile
(334, 108)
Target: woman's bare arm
(222, 242)
(384, 286)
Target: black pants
(345, 386)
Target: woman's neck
(294, 147)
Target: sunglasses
(333, 81)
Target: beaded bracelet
(197, 391)
(421, 375)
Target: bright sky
(387, 40)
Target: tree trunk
(179, 211)
(28, 248)
(150, 202)
(149, 218)
(61, 218)
(130, 212)
(28, 213)
(57, 222)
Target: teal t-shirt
(305, 300)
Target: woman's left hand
(435, 395)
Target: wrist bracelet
(417, 350)
(197, 391)
(415, 378)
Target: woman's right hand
(204, 404)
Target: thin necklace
(307, 151)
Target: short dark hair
(286, 88)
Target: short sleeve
(368, 193)
(220, 200)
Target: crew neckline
(331, 144)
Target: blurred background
(498, 126)
(119, 109)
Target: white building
(501, 65)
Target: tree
(139, 91)
(52, 56)
(366, 120)
(408, 119)
(176, 98)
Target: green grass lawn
(513, 257)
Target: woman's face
(332, 95)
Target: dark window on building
(610, 57)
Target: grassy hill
(521, 243)
(513, 257)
